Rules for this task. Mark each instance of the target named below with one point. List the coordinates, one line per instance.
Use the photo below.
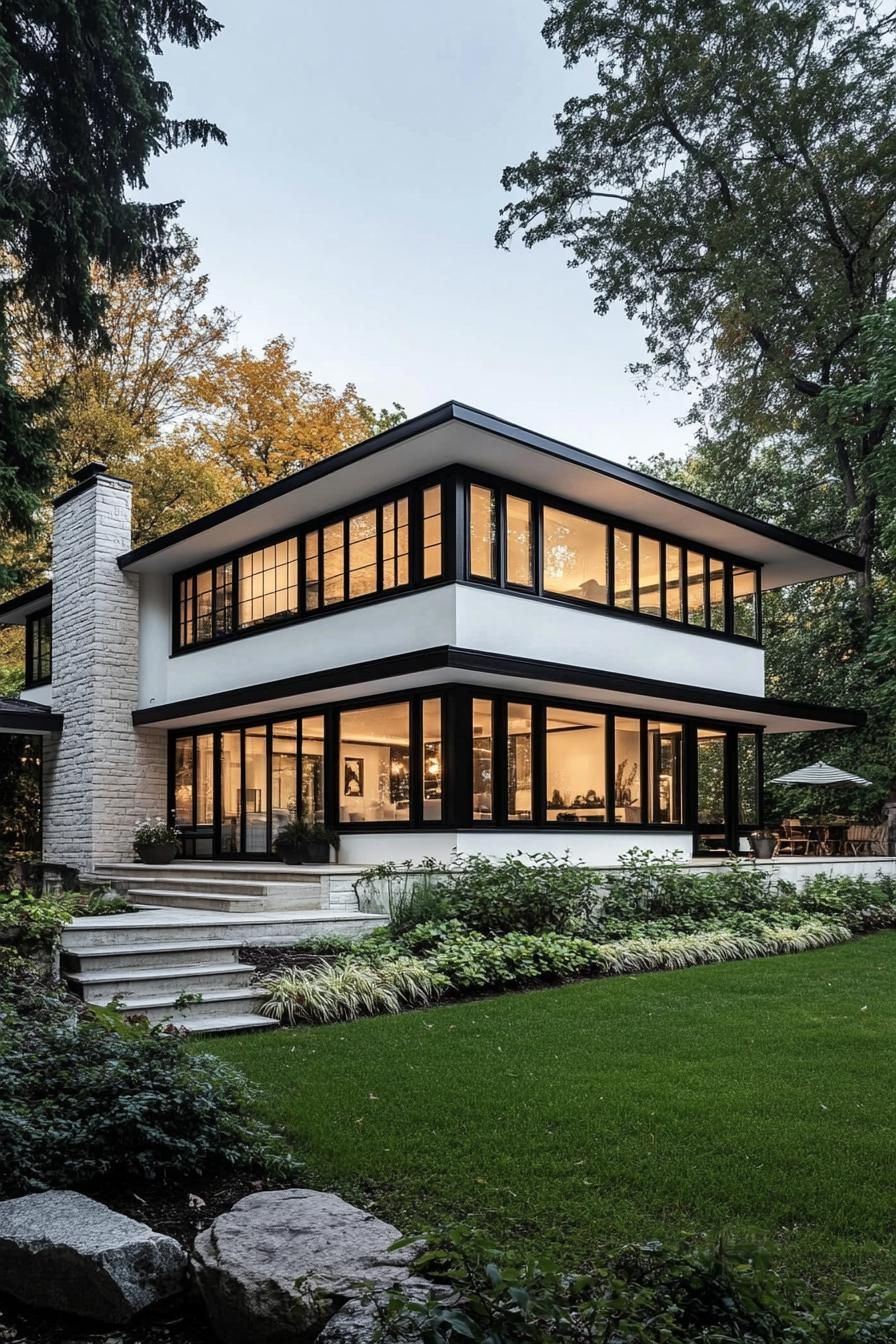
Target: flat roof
(16, 609)
(451, 665)
(27, 717)
(457, 434)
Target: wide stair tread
(120, 956)
(103, 986)
(214, 1026)
(273, 899)
(213, 885)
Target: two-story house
(457, 634)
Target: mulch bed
(268, 957)
(177, 1213)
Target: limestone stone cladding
(101, 775)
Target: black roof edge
(458, 410)
(30, 718)
(472, 660)
(34, 595)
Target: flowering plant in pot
(305, 842)
(155, 841)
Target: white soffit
(541, 464)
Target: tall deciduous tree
(731, 180)
(81, 114)
(263, 418)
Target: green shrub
(88, 1099)
(521, 893)
(710, 1292)
(101, 903)
(29, 918)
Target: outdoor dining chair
(792, 839)
(863, 839)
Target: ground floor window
(462, 757)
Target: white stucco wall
(598, 849)
(464, 616)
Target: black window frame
(539, 500)
(39, 648)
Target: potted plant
(763, 843)
(305, 842)
(155, 841)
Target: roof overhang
(18, 609)
(455, 434)
(522, 676)
(27, 718)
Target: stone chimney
(101, 775)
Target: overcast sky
(355, 206)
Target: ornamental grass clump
(349, 989)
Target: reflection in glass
(575, 556)
(432, 760)
(623, 593)
(284, 748)
(483, 557)
(483, 760)
(432, 532)
(711, 786)
(627, 784)
(519, 762)
(334, 564)
(576, 752)
(313, 768)
(362, 554)
(519, 542)
(649, 601)
(231, 791)
(375, 763)
(746, 603)
(312, 571)
(696, 589)
(269, 582)
(665, 756)
(748, 779)
(183, 781)
(395, 544)
(716, 594)
(674, 605)
(255, 796)
(204, 780)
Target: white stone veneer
(101, 775)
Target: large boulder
(282, 1263)
(65, 1252)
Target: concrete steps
(144, 955)
(240, 1002)
(186, 978)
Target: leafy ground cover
(754, 1097)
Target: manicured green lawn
(757, 1097)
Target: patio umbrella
(819, 773)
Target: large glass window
(312, 780)
(269, 583)
(284, 749)
(696, 588)
(231, 791)
(711, 784)
(255, 794)
(649, 576)
(375, 764)
(627, 782)
(312, 571)
(396, 571)
(623, 581)
(483, 760)
(183, 781)
(674, 605)
(665, 773)
(362, 554)
(716, 572)
(748, 779)
(333, 555)
(483, 533)
(432, 760)
(575, 556)
(432, 532)
(576, 755)
(746, 602)
(39, 648)
(205, 605)
(519, 542)
(519, 762)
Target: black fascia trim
(457, 410)
(25, 599)
(31, 721)
(472, 660)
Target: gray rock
(282, 1263)
(65, 1252)
(355, 1323)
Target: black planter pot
(763, 846)
(317, 851)
(290, 855)
(156, 853)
